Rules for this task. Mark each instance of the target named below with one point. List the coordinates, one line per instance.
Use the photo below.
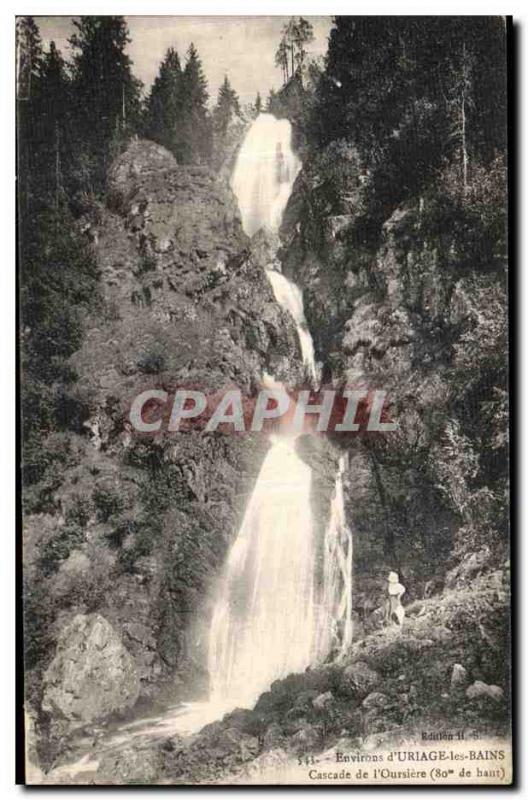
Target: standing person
(395, 590)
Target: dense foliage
(413, 93)
(405, 132)
(177, 115)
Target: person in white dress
(395, 612)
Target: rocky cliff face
(135, 530)
(126, 538)
(404, 305)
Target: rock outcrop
(92, 673)
(135, 529)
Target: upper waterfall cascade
(264, 174)
(262, 181)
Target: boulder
(358, 680)
(141, 158)
(231, 744)
(480, 689)
(472, 565)
(305, 699)
(439, 633)
(274, 737)
(131, 765)
(307, 739)
(295, 713)
(92, 673)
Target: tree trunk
(57, 165)
(464, 146)
(465, 79)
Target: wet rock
(92, 673)
(480, 689)
(240, 718)
(238, 744)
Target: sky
(241, 47)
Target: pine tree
(227, 107)
(463, 102)
(43, 126)
(291, 52)
(28, 55)
(196, 130)
(258, 104)
(165, 104)
(107, 95)
(281, 58)
(53, 106)
(58, 276)
(289, 42)
(302, 34)
(29, 64)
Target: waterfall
(270, 618)
(264, 174)
(335, 627)
(263, 625)
(289, 296)
(263, 178)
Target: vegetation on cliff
(402, 253)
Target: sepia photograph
(264, 408)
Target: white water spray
(264, 174)
(335, 628)
(263, 625)
(289, 296)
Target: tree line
(291, 52)
(73, 117)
